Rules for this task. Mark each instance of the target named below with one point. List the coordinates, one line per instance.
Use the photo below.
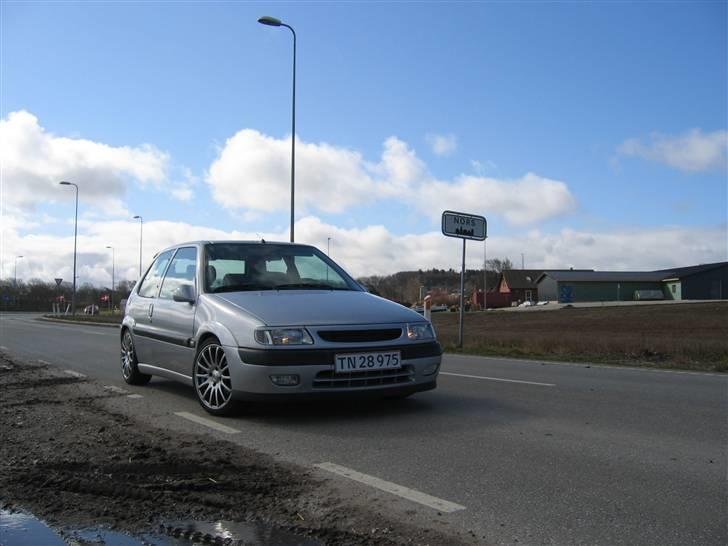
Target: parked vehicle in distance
(249, 321)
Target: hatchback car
(259, 321)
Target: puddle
(22, 529)
(18, 529)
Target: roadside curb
(79, 322)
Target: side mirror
(184, 293)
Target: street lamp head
(64, 183)
(109, 247)
(19, 256)
(137, 217)
(270, 21)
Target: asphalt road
(536, 453)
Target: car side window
(151, 282)
(182, 270)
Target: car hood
(318, 307)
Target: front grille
(281, 356)
(359, 336)
(330, 380)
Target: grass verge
(688, 336)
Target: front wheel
(211, 378)
(129, 362)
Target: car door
(141, 307)
(173, 321)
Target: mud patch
(70, 460)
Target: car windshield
(234, 267)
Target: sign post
(463, 226)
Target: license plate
(366, 362)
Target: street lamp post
(113, 266)
(15, 281)
(273, 22)
(141, 233)
(328, 245)
(75, 237)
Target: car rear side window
(150, 284)
(181, 271)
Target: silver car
(245, 321)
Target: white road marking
(3, 348)
(74, 374)
(134, 396)
(500, 379)
(207, 422)
(393, 488)
(114, 388)
(44, 362)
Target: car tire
(211, 379)
(129, 370)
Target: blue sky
(622, 106)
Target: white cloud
(34, 161)
(442, 145)
(522, 201)
(182, 193)
(371, 250)
(693, 151)
(481, 167)
(252, 173)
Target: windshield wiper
(242, 288)
(315, 286)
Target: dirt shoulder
(69, 459)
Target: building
(708, 281)
(697, 282)
(518, 285)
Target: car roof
(228, 241)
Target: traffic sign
(464, 226)
(58, 281)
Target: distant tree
(498, 265)
(124, 288)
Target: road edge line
(392, 488)
(206, 422)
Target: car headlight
(283, 336)
(420, 330)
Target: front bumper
(250, 371)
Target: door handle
(151, 310)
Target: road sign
(58, 281)
(464, 226)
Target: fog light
(432, 368)
(285, 380)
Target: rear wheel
(129, 362)
(211, 378)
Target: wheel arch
(215, 330)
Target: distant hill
(404, 287)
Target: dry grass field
(688, 336)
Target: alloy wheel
(127, 356)
(212, 377)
